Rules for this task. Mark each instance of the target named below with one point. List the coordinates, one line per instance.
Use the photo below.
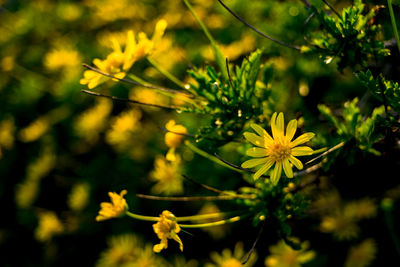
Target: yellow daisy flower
(166, 228)
(116, 208)
(278, 149)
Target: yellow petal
(280, 123)
(296, 162)
(253, 162)
(263, 169)
(302, 139)
(256, 152)
(302, 151)
(287, 168)
(260, 131)
(291, 129)
(276, 173)
(273, 126)
(254, 139)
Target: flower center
(278, 151)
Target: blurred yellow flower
(166, 228)
(91, 122)
(35, 130)
(231, 259)
(173, 138)
(122, 250)
(216, 232)
(57, 59)
(122, 127)
(119, 62)
(79, 196)
(283, 255)
(279, 150)
(7, 129)
(167, 175)
(26, 193)
(116, 208)
(49, 225)
(361, 255)
(342, 227)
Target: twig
(195, 198)
(127, 100)
(331, 8)
(254, 244)
(326, 152)
(256, 30)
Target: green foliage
(352, 125)
(352, 37)
(233, 103)
(386, 91)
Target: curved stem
(142, 217)
(166, 73)
(195, 198)
(207, 216)
(392, 18)
(212, 224)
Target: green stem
(392, 18)
(166, 73)
(390, 226)
(208, 156)
(212, 224)
(142, 217)
(206, 216)
(219, 57)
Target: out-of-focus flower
(147, 257)
(234, 50)
(91, 122)
(35, 130)
(7, 129)
(216, 232)
(7, 63)
(79, 196)
(166, 228)
(57, 59)
(231, 259)
(119, 62)
(283, 255)
(26, 193)
(279, 150)
(49, 225)
(122, 127)
(122, 250)
(341, 226)
(361, 255)
(69, 11)
(173, 138)
(167, 175)
(116, 208)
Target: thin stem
(391, 228)
(394, 25)
(341, 144)
(254, 244)
(331, 8)
(166, 73)
(212, 224)
(194, 198)
(256, 30)
(127, 100)
(229, 74)
(207, 216)
(208, 156)
(142, 217)
(219, 57)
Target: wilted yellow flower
(167, 175)
(167, 228)
(116, 208)
(49, 225)
(173, 138)
(122, 250)
(279, 150)
(232, 259)
(283, 255)
(361, 255)
(79, 197)
(119, 62)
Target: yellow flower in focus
(283, 255)
(116, 208)
(122, 250)
(167, 175)
(231, 259)
(57, 59)
(166, 228)
(118, 62)
(79, 197)
(49, 225)
(279, 150)
(361, 255)
(173, 138)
